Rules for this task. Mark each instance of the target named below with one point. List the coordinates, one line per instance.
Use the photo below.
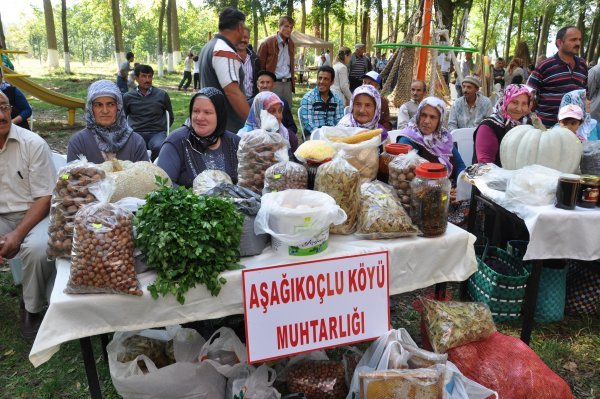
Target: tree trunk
(406, 17)
(51, 35)
(520, 25)
(590, 54)
(254, 28)
(342, 28)
(303, 17)
(175, 33)
(356, 21)
(170, 67)
(261, 14)
(390, 21)
(396, 22)
(365, 22)
(118, 31)
(538, 24)
(509, 30)
(581, 26)
(379, 4)
(326, 16)
(447, 8)
(546, 22)
(486, 20)
(290, 8)
(461, 33)
(159, 43)
(2, 37)
(63, 16)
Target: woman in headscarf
(513, 109)
(588, 125)
(202, 142)
(431, 140)
(269, 101)
(364, 110)
(21, 110)
(106, 135)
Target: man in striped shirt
(559, 74)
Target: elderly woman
(107, 134)
(431, 140)
(511, 110)
(21, 110)
(269, 101)
(202, 142)
(588, 125)
(365, 110)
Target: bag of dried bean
(102, 256)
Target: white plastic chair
(464, 140)
(393, 135)
(300, 121)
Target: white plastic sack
(457, 386)
(293, 216)
(533, 185)
(179, 380)
(223, 350)
(256, 386)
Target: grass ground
(571, 347)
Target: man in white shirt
(408, 110)
(250, 65)
(444, 62)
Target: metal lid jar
(430, 198)
(589, 191)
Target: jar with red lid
(430, 198)
(589, 191)
(390, 152)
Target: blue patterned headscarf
(111, 138)
(577, 97)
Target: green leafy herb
(188, 239)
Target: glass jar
(589, 191)
(390, 152)
(430, 197)
(311, 168)
(567, 191)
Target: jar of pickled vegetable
(430, 197)
(389, 153)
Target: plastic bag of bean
(285, 175)
(257, 151)
(102, 257)
(402, 172)
(341, 180)
(324, 379)
(381, 213)
(70, 195)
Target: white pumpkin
(557, 148)
(132, 179)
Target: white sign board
(305, 306)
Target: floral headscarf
(112, 138)
(500, 114)
(348, 119)
(439, 142)
(577, 97)
(263, 101)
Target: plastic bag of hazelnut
(70, 194)
(285, 175)
(102, 257)
(402, 172)
(257, 151)
(324, 379)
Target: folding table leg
(531, 294)
(90, 367)
(104, 341)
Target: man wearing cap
(276, 54)
(470, 109)
(372, 78)
(359, 66)
(408, 110)
(265, 81)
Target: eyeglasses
(6, 108)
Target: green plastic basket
(499, 282)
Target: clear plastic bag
(208, 180)
(285, 175)
(102, 255)
(258, 385)
(324, 379)
(341, 180)
(451, 324)
(402, 172)
(70, 194)
(590, 159)
(533, 185)
(245, 200)
(419, 383)
(224, 350)
(257, 151)
(316, 151)
(381, 213)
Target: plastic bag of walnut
(402, 172)
(102, 257)
(341, 180)
(381, 213)
(285, 175)
(70, 194)
(323, 379)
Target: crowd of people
(234, 85)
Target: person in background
(365, 110)
(131, 77)
(266, 82)
(359, 65)
(187, 72)
(372, 78)
(408, 110)
(382, 62)
(203, 142)
(513, 109)
(587, 124)
(106, 135)
(250, 66)
(196, 75)
(445, 64)
(570, 117)
(21, 110)
(123, 73)
(269, 101)
(6, 60)
(327, 57)
(146, 107)
(593, 91)
(498, 72)
(320, 106)
(515, 74)
(341, 84)
(470, 109)
(301, 65)
(276, 54)
(28, 179)
(565, 71)
(467, 67)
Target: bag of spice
(102, 255)
(402, 172)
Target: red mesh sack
(508, 366)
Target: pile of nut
(401, 174)
(70, 194)
(285, 175)
(103, 259)
(256, 153)
(318, 379)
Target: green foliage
(188, 239)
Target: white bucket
(312, 246)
